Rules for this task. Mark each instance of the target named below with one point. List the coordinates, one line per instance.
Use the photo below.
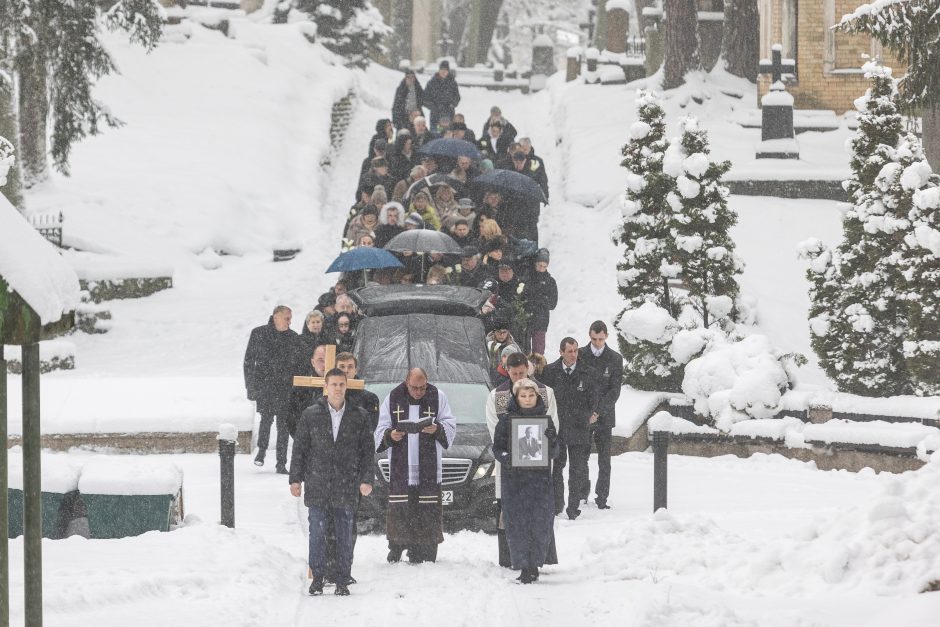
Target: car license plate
(447, 497)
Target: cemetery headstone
(778, 139)
(618, 24)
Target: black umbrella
(450, 147)
(430, 182)
(510, 183)
(424, 241)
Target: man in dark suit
(333, 457)
(575, 392)
(268, 366)
(608, 366)
(530, 447)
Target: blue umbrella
(450, 147)
(364, 258)
(510, 183)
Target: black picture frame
(522, 454)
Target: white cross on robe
(445, 419)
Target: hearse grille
(454, 470)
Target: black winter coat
(269, 367)
(609, 370)
(577, 399)
(442, 95)
(367, 402)
(332, 471)
(509, 131)
(385, 232)
(399, 115)
(541, 297)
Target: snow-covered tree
(857, 319)
(353, 29)
(911, 30)
(645, 234)
(57, 55)
(704, 264)
(920, 261)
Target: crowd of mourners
(338, 426)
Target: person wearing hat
(459, 124)
(469, 272)
(441, 94)
(541, 297)
(363, 224)
(499, 338)
(409, 97)
(378, 175)
(466, 211)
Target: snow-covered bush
(735, 380)
(353, 29)
(6, 159)
(863, 292)
(679, 268)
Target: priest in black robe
(415, 519)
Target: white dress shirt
(336, 415)
(597, 351)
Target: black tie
(568, 371)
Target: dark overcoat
(269, 365)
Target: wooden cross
(777, 66)
(319, 382)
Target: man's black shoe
(281, 469)
(394, 555)
(316, 587)
(573, 513)
(341, 590)
(351, 581)
(527, 576)
(259, 460)
(602, 504)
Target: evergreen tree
(645, 234)
(920, 260)
(704, 260)
(353, 29)
(857, 319)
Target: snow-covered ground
(222, 149)
(761, 541)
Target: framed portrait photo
(527, 442)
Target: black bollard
(660, 454)
(227, 474)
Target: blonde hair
(489, 228)
(316, 313)
(437, 273)
(524, 383)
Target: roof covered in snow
(33, 268)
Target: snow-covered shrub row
(875, 313)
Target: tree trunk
(931, 136)
(34, 114)
(682, 44)
(400, 21)
(8, 129)
(741, 41)
(489, 15)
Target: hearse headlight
(483, 470)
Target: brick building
(828, 63)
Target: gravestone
(573, 69)
(653, 35)
(778, 140)
(618, 24)
(543, 61)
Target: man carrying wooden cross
(415, 519)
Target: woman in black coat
(384, 131)
(527, 495)
(403, 157)
(345, 335)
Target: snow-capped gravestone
(543, 62)
(778, 139)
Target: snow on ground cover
(31, 267)
(754, 541)
(48, 350)
(774, 428)
(899, 435)
(119, 474)
(60, 471)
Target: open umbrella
(424, 241)
(450, 147)
(364, 258)
(510, 183)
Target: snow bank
(773, 428)
(33, 268)
(60, 473)
(649, 323)
(130, 475)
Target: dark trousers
(417, 553)
(332, 573)
(264, 435)
(579, 479)
(538, 342)
(343, 527)
(601, 436)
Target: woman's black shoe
(527, 576)
(316, 588)
(394, 555)
(341, 590)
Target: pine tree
(353, 29)
(920, 260)
(703, 251)
(645, 234)
(857, 319)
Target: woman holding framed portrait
(525, 442)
